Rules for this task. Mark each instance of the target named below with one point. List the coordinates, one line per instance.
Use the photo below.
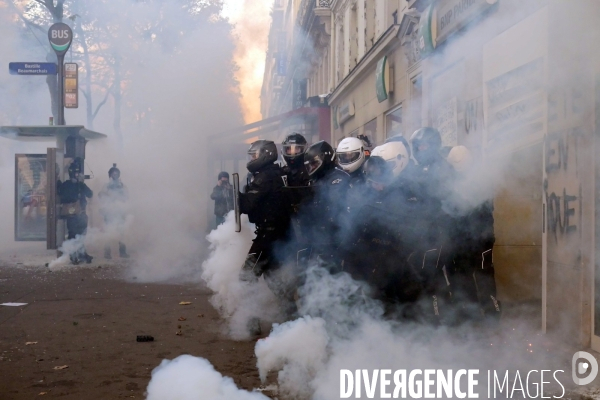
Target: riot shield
(236, 202)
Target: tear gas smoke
(193, 378)
(353, 335)
(237, 301)
(298, 350)
(167, 89)
(93, 241)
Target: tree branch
(102, 102)
(32, 24)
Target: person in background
(222, 194)
(113, 198)
(73, 200)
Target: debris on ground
(144, 338)
(179, 333)
(270, 388)
(181, 319)
(61, 367)
(29, 343)
(185, 303)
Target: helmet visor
(391, 164)
(348, 157)
(293, 149)
(313, 165)
(253, 154)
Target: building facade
(516, 82)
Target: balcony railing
(323, 3)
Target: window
(393, 122)
(370, 130)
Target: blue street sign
(32, 68)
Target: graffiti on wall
(563, 195)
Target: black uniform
(325, 216)
(472, 270)
(263, 202)
(265, 205)
(295, 176)
(387, 242)
(71, 192)
(432, 184)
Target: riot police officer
(433, 177)
(325, 214)
(386, 232)
(263, 202)
(351, 155)
(473, 281)
(293, 149)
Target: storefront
(371, 99)
(514, 81)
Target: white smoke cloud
(298, 350)
(93, 242)
(309, 352)
(194, 378)
(177, 88)
(237, 301)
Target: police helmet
(319, 158)
(351, 154)
(260, 154)
(293, 149)
(395, 154)
(426, 144)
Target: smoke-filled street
(76, 337)
(299, 199)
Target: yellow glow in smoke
(252, 19)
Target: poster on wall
(30, 197)
(447, 122)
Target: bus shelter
(36, 177)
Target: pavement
(76, 337)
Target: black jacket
(263, 200)
(325, 214)
(70, 192)
(223, 197)
(296, 177)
